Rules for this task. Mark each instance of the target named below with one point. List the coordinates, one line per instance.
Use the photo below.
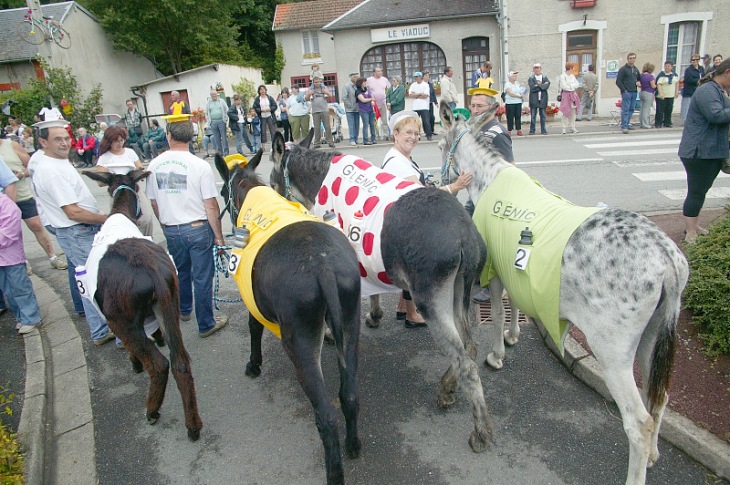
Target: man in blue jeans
(628, 81)
(69, 207)
(216, 112)
(183, 195)
(351, 111)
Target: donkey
(137, 280)
(620, 281)
(429, 247)
(303, 275)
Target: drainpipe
(504, 51)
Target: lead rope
(220, 262)
(449, 163)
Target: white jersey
(56, 184)
(420, 103)
(118, 164)
(180, 183)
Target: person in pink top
(14, 281)
(378, 84)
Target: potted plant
(198, 115)
(550, 111)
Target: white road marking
(714, 193)
(535, 162)
(601, 139)
(665, 176)
(634, 144)
(625, 153)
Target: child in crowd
(254, 123)
(27, 140)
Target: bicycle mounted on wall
(34, 31)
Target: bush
(707, 294)
(11, 460)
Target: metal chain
(220, 261)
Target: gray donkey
(616, 276)
(437, 259)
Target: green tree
(176, 35)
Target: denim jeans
(241, 138)
(75, 296)
(628, 105)
(368, 122)
(533, 117)
(220, 138)
(353, 124)
(76, 242)
(16, 285)
(152, 148)
(191, 247)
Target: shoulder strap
(386, 162)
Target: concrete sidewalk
(57, 422)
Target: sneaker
(28, 268)
(220, 322)
(106, 338)
(625, 131)
(519, 133)
(482, 296)
(531, 133)
(58, 263)
(575, 131)
(544, 133)
(352, 143)
(26, 329)
(631, 127)
(331, 145)
(185, 318)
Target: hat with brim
(236, 159)
(483, 91)
(354, 73)
(177, 118)
(418, 74)
(51, 124)
(399, 116)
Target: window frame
(309, 54)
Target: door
(475, 51)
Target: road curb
(698, 443)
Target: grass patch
(11, 459)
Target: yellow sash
(264, 213)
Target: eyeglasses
(478, 105)
(60, 140)
(695, 59)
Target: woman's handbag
(560, 96)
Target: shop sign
(402, 33)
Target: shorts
(28, 208)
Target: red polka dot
(382, 276)
(336, 159)
(387, 207)
(367, 243)
(336, 186)
(370, 204)
(339, 218)
(362, 164)
(384, 177)
(404, 184)
(363, 273)
(351, 195)
(323, 195)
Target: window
(683, 40)
(310, 45)
(581, 49)
(330, 80)
(405, 59)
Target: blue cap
(418, 74)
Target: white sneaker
(352, 143)
(58, 263)
(26, 329)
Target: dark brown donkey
(137, 280)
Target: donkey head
(237, 181)
(123, 189)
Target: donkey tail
(165, 283)
(333, 309)
(663, 354)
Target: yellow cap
(484, 91)
(236, 159)
(176, 118)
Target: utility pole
(504, 50)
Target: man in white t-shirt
(183, 195)
(378, 84)
(421, 95)
(68, 206)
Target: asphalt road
(549, 427)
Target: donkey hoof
(253, 370)
(477, 442)
(352, 448)
(153, 417)
(493, 361)
(446, 400)
(372, 323)
(653, 458)
(510, 339)
(194, 434)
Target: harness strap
(127, 187)
(449, 163)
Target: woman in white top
(570, 102)
(406, 129)
(514, 93)
(115, 158)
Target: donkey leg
(349, 400)
(304, 350)
(256, 329)
(376, 312)
(512, 334)
(495, 358)
(440, 315)
(181, 371)
(448, 385)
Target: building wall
(537, 33)
(296, 64)
(17, 72)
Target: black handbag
(560, 96)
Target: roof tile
(315, 14)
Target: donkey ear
(277, 150)
(139, 174)
(307, 141)
(447, 116)
(253, 163)
(222, 167)
(103, 177)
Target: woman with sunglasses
(692, 76)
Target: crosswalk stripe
(624, 153)
(601, 139)
(713, 193)
(665, 176)
(633, 144)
